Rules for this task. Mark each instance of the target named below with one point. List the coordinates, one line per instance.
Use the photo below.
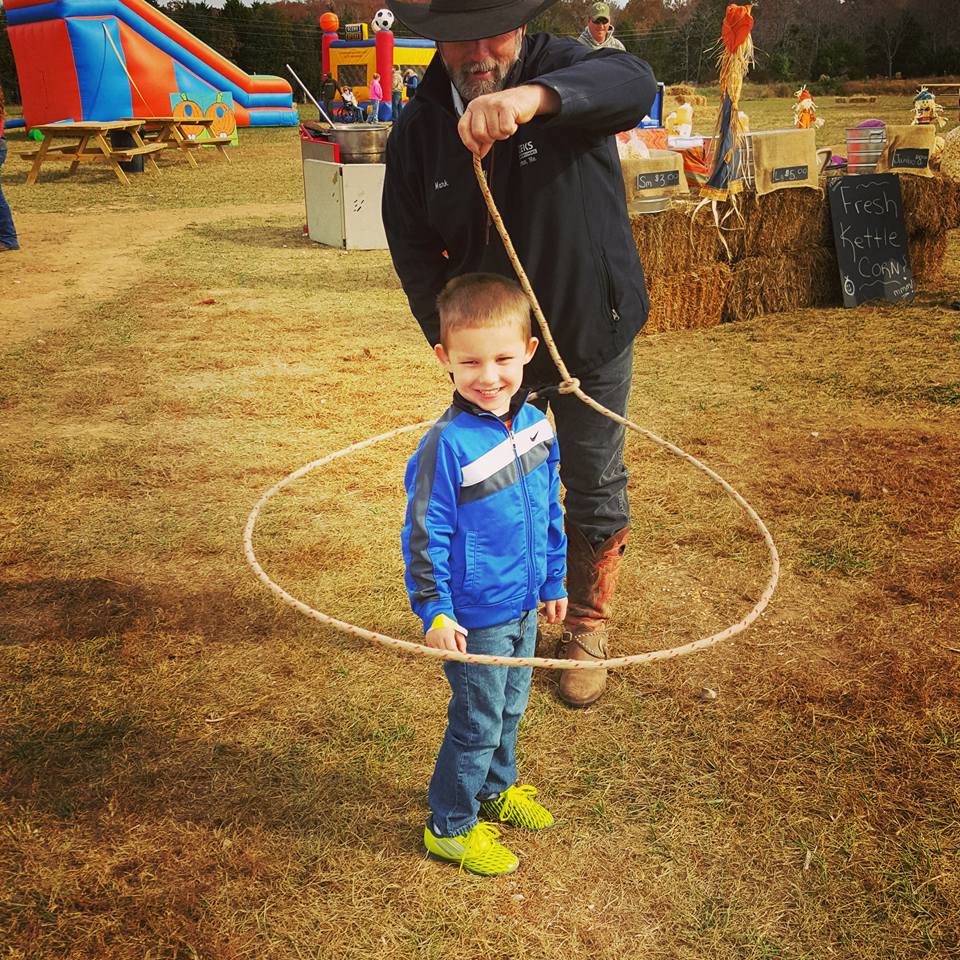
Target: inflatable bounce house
(111, 59)
(354, 60)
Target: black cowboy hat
(466, 19)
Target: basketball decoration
(329, 22)
(224, 122)
(188, 109)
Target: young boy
(483, 544)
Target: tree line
(821, 42)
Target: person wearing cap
(598, 33)
(541, 112)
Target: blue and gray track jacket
(483, 539)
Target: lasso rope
(568, 385)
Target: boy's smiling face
(487, 364)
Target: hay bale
(927, 252)
(762, 285)
(688, 301)
(785, 220)
(684, 93)
(950, 158)
(930, 204)
(670, 242)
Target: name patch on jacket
(498, 468)
(527, 153)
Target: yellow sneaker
(477, 850)
(517, 807)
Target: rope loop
(568, 384)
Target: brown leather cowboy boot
(591, 581)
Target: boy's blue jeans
(478, 756)
(8, 233)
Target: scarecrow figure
(805, 111)
(735, 55)
(927, 110)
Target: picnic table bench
(92, 145)
(181, 133)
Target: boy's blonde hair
(477, 300)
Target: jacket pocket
(611, 295)
(470, 548)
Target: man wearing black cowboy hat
(541, 110)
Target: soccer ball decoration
(382, 20)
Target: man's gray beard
(470, 88)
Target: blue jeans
(374, 111)
(8, 233)
(478, 756)
(396, 105)
(592, 470)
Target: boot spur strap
(577, 640)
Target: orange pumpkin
(224, 122)
(185, 110)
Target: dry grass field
(189, 769)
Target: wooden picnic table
(181, 133)
(91, 145)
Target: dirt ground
(190, 770)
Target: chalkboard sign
(790, 174)
(659, 180)
(870, 238)
(913, 157)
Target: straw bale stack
(772, 284)
(927, 253)
(950, 159)
(688, 301)
(684, 93)
(781, 253)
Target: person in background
(599, 30)
(541, 111)
(376, 95)
(410, 81)
(354, 110)
(8, 233)
(396, 94)
(328, 93)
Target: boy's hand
(555, 610)
(446, 638)
(446, 634)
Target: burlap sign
(784, 159)
(659, 175)
(908, 150)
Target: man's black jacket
(558, 186)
